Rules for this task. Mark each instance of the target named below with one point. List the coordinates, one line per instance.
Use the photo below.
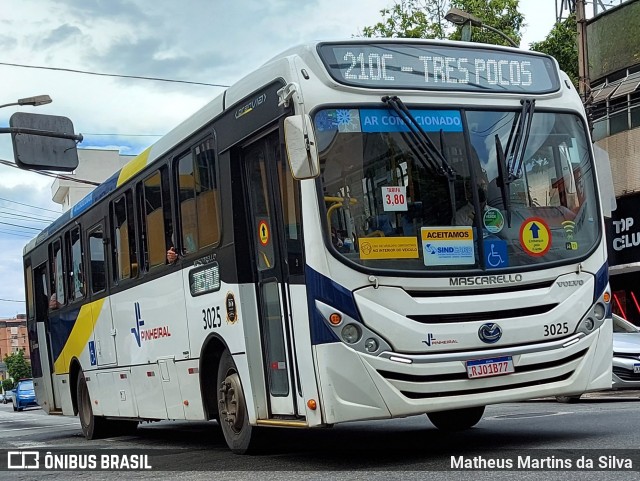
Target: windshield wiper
(428, 154)
(510, 161)
(505, 190)
(518, 139)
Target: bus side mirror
(302, 150)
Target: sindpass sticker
(443, 246)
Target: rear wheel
(93, 427)
(232, 409)
(456, 419)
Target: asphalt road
(603, 424)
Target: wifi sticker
(569, 226)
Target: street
(600, 424)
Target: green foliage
(425, 19)
(503, 15)
(17, 365)
(8, 385)
(410, 19)
(562, 43)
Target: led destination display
(439, 67)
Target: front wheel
(232, 409)
(456, 419)
(93, 427)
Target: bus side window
(96, 260)
(155, 211)
(199, 198)
(56, 276)
(76, 281)
(125, 257)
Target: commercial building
(613, 52)
(13, 338)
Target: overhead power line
(101, 74)
(51, 174)
(32, 206)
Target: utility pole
(583, 64)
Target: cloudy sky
(207, 41)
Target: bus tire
(456, 419)
(93, 427)
(232, 408)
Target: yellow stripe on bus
(133, 166)
(79, 336)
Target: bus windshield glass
(391, 204)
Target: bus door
(262, 161)
(40, 342)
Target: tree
(425, 19)
(503, 15)
(562, 43)
(410, 19)
(7, 385)
(17, 365)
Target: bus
(366, 229)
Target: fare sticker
(535, 236)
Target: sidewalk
(619, 394)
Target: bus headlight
(371, 345)
(589, 324)
(594, 317)
(351, 333)
(599, 311)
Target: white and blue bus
(366, 229)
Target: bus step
(285, 423)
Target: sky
(207, 41)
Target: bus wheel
(93, 427)
(456, 419)
(232, 409)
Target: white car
(626, 358)
(626, 354)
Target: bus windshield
(388, 206)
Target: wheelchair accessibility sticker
(495, 252)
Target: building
(94, 165)
(613, 52)
(13, 338)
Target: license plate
(636, 368)
(490, 367)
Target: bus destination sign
(439, 67)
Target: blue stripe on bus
(325, 290)
(60, 326)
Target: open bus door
(39, 328)
(263, 170)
